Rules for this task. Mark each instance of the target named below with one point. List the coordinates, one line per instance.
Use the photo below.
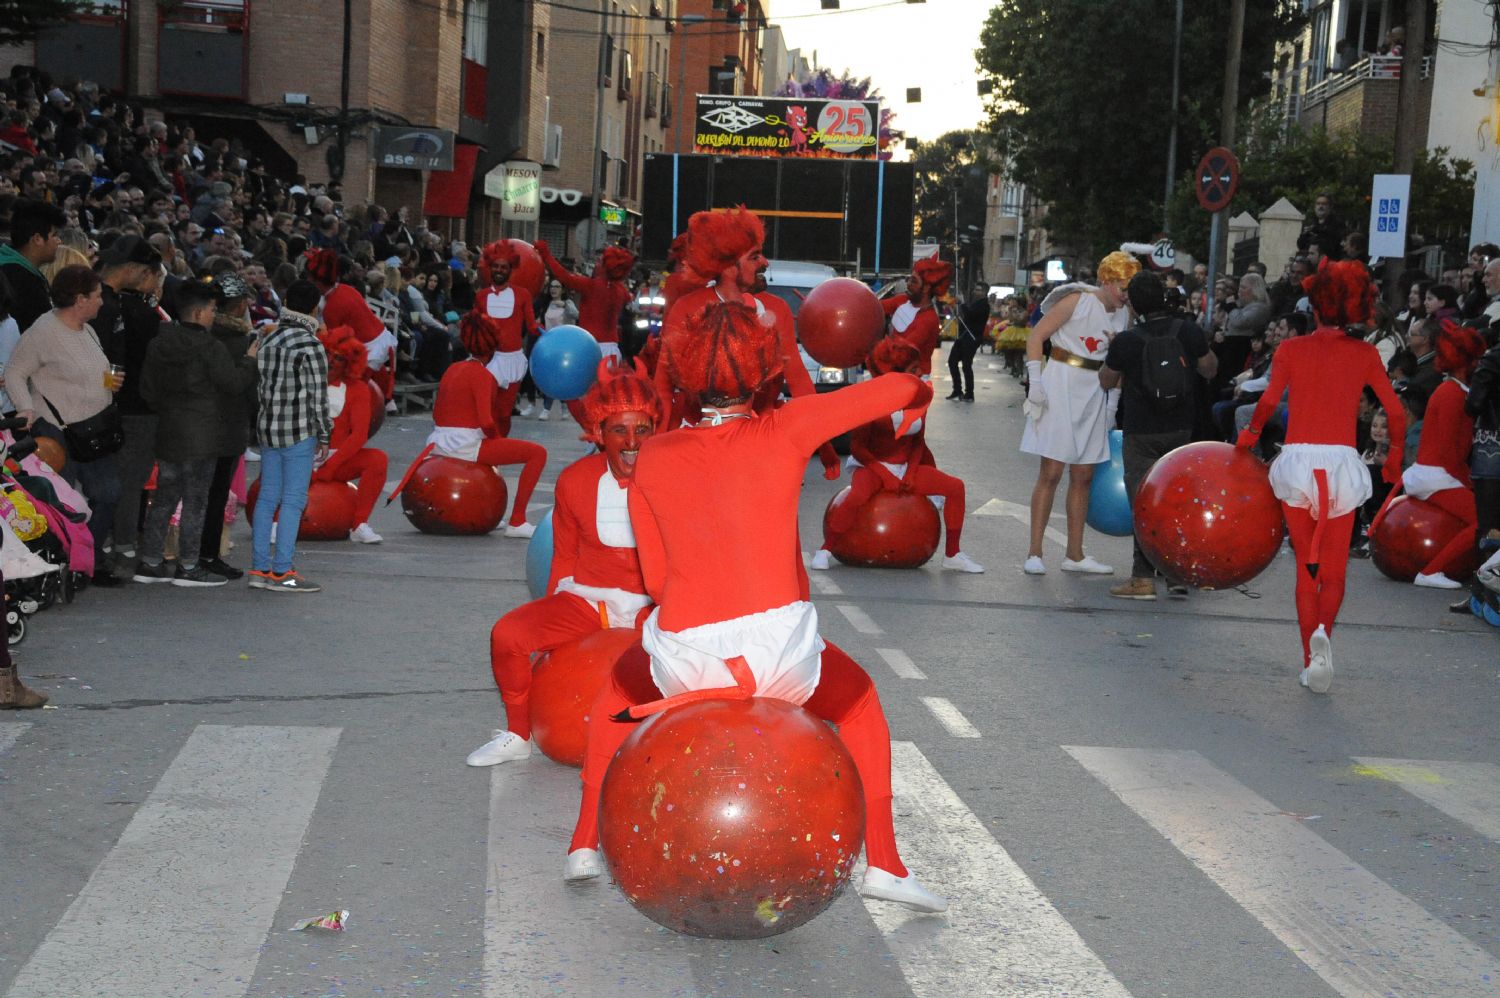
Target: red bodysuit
(507, 313)
(596, 576)
(793, 371)
(918, 326)
(349, 459)
(1318, 476)
(345, 306)
(600, 300)
(1447, 435)
(715, 516)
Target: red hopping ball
(377, 408)
(564, 683)
(1206, 516)
(1410, 535)
(732, 819)
(448, 495)
(891, 530)
(531, 275)
(839, 322)
(329, 515)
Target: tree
(1080, 102)
(954, 163)
(22, 20)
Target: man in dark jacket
(971, 318)
(232, 330)
(186, 371)
(33, 241)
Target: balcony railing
(1375, 67)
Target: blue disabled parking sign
(1389, 196)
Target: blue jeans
(284, 476)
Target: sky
(898, 45)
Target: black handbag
(101, 435)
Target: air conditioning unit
(552, 156)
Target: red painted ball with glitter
(1410, 535)
(1205, 515)
(891, 530)
(329, 515)
(448, 495)
(732, 819)
(564, 683)
(839, 322)
(377, 407)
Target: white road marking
(1359, 934)
(999, 507)
(900, 663)
(1468, 791)
(950, 717)
(858, 619)
(10, 731)
(183, 902)
(1000, 937)
(819, 580)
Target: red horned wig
(1458, 350)
(935, 275)
(716, 239)
(1341, 292)
(721, 353)
(500, 249)
(893, 354)
(347, 358)
(322, 267)
(478, 335)
(618, 389)
(617, 262)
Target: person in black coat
(971, 317)
(34, 227)
(234, 334)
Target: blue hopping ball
(565, 362)
(539, 557)
(1109, 505)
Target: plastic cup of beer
(114, 378)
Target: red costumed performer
(349, 460)
(714, 508)
(467, 415)
(889, 462)
(505, 312)
(913, 316)
(344, 305)
(596, 575)
(1440, 474)
(602, 296)
(1318, 476)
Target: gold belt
(1073, 360)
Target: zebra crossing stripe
(1468, 791)
(961, 952)
(183, 901)
(10, 731)
(1359, 934)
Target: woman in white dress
(1068, 416)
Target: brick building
(720, 49)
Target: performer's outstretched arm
(815, 418)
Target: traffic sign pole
(1213, 269)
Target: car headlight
(831, 376)
(643, 323)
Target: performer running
(602, 296)
(714, 509)
(596, 576)
(349, 404)
(1068, 415)
(506, 312)
(1318, 476)
(467, 415)
(914, 316)
(892, 463)
(344, 305)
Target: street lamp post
(685, 21)
(599, 71)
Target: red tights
(1318, 597)
(924, 480)
(1459, 502)
(538, 626)
(845, 697)
(504, 450)
(508, 396)
(368, 467)
(385, 380)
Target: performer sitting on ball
(596, 576)
(1318, 476)
(893, 463)
(344, 305)
(349, 404)
(505, 310)
(714, 508)
(914, 316)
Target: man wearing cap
(236, 414)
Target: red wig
(322, 267)
(618, 389)
(1341, 292)
(677, 251)
(893, 354)
(347, 358)
(1458, 350)
(617, 262)
(479, 334)
(934, 274)
(716, 239)
(720, 353)
(500, 249)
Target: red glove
(831, 472)
(541, 247)
(1391, 472)
(1247, 438)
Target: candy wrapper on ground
(333, 922)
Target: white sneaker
(822, 560)
(521, 530)
(545, 415)
(251, 455)
(884, 886)
(525, 411)
(1437, 580)
(1319, 671)
(362, 534)
(390, 408)
(583, 864)
(506, 746)
(963, 563)
(1087, 566)
(1034, 566)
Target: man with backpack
(1158, 363)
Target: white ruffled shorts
(1348, 479)
(781, 647)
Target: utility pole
(1407, 139)
(1166, 204)
(337, 172)
(1227, 116)
(598, 172)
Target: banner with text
(786, 126)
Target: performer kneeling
(349, 404)
(714, 508)
(596, 576)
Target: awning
(448, 190)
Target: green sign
(611, 216)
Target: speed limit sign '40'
(1217, 179)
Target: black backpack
(1166, 379)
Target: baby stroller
(31, 582)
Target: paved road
(1119, 798)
